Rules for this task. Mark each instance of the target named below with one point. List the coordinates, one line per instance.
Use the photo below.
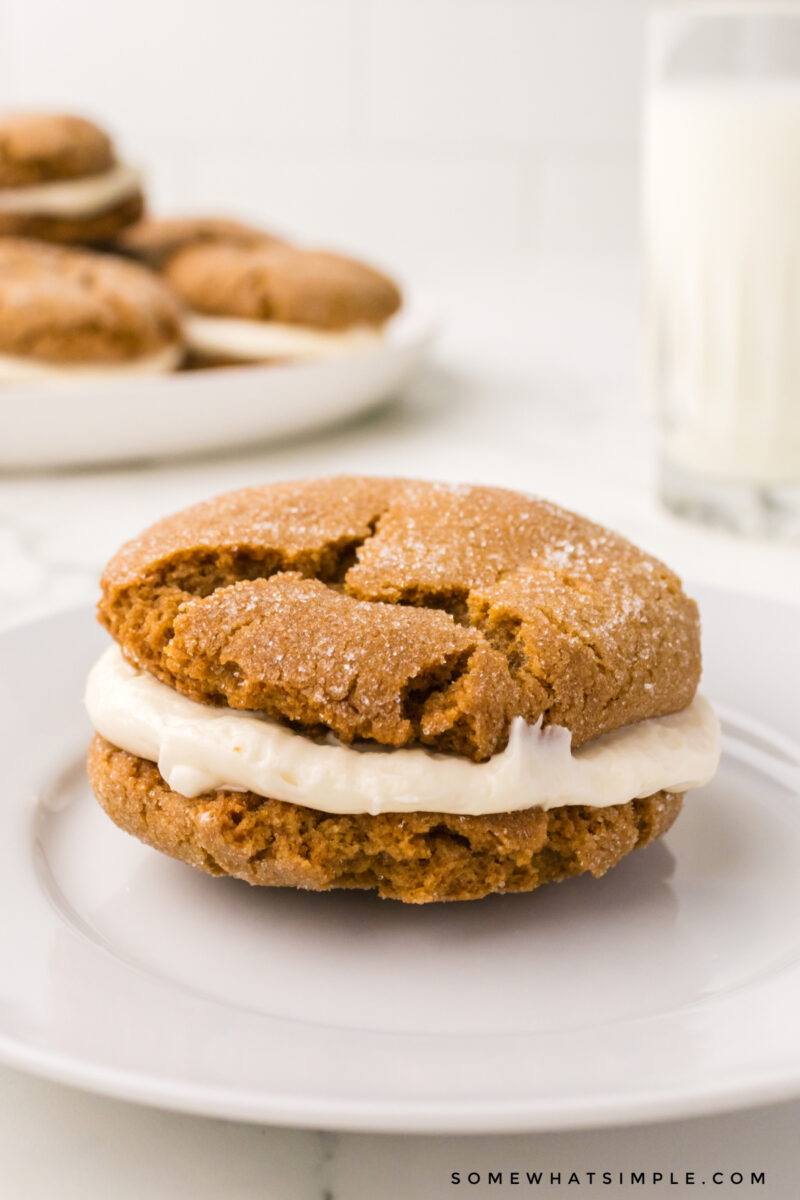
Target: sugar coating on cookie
(482, 604)
(60, 180)
(63, 307)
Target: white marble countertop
(535, 385)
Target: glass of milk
(722, 261)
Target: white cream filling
(200, 748)
(72, 197)
(252, 341)
(14, 369)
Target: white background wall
(413, 130)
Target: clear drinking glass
(722, 261)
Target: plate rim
(325, 393)
(604, 1111)
(425, 321)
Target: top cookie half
(38, 147)
(155, 240)
(403, 612)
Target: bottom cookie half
(92, 230)
(415, 857)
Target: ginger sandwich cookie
(271, 302)
(67, 313)
(61, 181)
(155, 240)
(435, 692)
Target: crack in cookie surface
(400, 611)
(294, 648)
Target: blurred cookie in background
(155, 240)
(272, 302)
(67, 312)
(61, 181)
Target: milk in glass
(722, 232)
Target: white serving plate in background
(668, 988)
(82, 421)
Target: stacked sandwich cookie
(60, 180)
(252, 297)
(433, 691)
(246, 296)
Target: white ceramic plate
(669, 987)
(91, 421)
